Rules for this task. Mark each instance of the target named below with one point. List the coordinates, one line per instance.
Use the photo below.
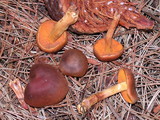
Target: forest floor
(19, 22)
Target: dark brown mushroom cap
(126, 75)
(47, 86)
(73, 63)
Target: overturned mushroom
(52, 35)
(108, 49)
(47, 86)
(126, 85)
(73, 63)
(95, 16)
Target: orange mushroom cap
(43, 40)
(103, 55)
(126, 75)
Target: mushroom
(19, 91)
(95, 16)
(73, 63)
(108, 49)
(47, 86)
(126, 85)
(51, 35)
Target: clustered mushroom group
(48, 85)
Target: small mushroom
(51, 35)
(108, 49)
(126, 85)
(73, 63)
(19, 91)
(47, 86)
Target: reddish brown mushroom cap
(45, 42)
(125, 75)
(73, 63)
(47, 86)
(95, 16)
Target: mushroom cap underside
(126, 75)
(102, 54)
(43, 38)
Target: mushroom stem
(94, 98)
(110, 32)
(62, 25)
(19, 91)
